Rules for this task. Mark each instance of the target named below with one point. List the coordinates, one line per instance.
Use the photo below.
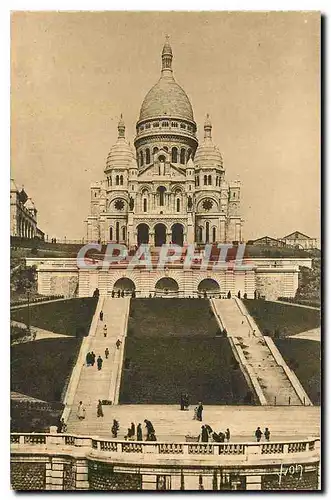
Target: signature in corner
(290, 470)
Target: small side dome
(207, 153)
(121, 154)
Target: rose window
(119, 204)
(207, 204)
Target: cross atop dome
(121, 127)
(167, 58)
(207, 127)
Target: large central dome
(166, 98)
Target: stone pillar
(82, 482)
(253, 483)
(54, 474)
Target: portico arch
(177, 234)
(210, 286)
(124, 284)
(166, 287)
(160, 235)
(142, 234)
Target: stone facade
(23, 214)
(171, 188)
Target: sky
(256, 74)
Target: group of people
(135, 433)
(259, 434)
(90, 359)
(207, 434)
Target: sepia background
(257, 74)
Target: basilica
(170, 188)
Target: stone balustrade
(66, 442)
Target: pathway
(94, 384)
(245, 333)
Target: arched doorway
(160, 234)
(208, 286)
(166, 287)
(142, 234)
(124, 284)
(177, 234)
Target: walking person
(81, 411)
(227, 435)
(118, 343)
(132, 429)
(101, 315)
(115, 427)
(149, 428)
(139, 433)
(204, 434)
(92, 358)
(182, 402)
(106, 353)
(99, 409)
(267, 434)
(99, 362)
(199, 412)
(195, 413)
(258, 434)
(105, 330)
(88, 359)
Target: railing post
(21, 438)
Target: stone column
(82, 482)
(253, 483)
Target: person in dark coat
(221, 436)
(186, 401)
(118, 343)
(106, 353)
(216, 437)
(115, 427)
(151, 437)
(132, 429)
(182, 401)
(258, 434)
(209, 429)
(267, 434)
(227, 435)
(149, 428)
(88, 359)
(199, 412)
(204, 435)
(139, 433)
(101, 315)
(99, 409)
(99, 362)
(92, 358)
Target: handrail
(121, 356)
(293, 379)
(94, 444)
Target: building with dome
(170, 187)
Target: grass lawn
(69, 317)
(42, 368)
(167, 317)
(161, 368)
(172, 348)
(289, 320)
(303, 356)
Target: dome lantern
(167, 58)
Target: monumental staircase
(273, 381)
(104, 384)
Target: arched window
(205, 180)
(123, 233)
(161, 191)
(214, 234)
(200, 234)
(145, 205)
(178, 205)
(155, 150)
(117, 232)
(182, 156)
(117, 180)
(209, 180)
(121, 180)
(148, 156)
(141, 158)
(174, 155)
(110, 233)
(207, 232)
